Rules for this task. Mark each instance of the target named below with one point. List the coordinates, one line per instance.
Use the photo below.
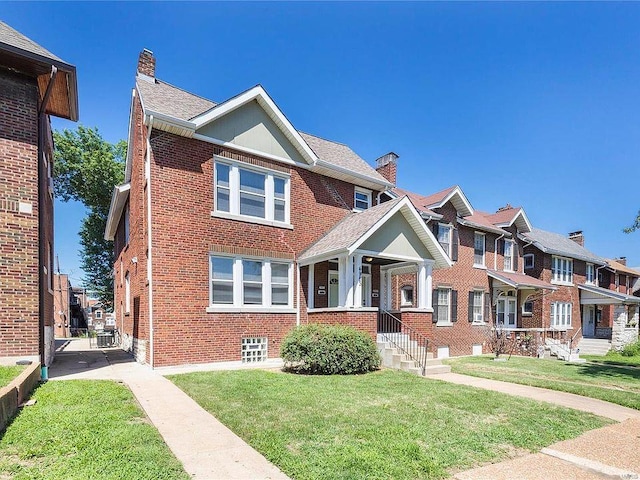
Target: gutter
(41, 225)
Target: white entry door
(334, 289)
(588, 321)
(506, 310)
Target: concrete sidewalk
(206, 448)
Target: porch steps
(392, 358)
(561, 350)
(594, 346)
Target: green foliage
(383, 425)
(631, 350)
(86, 169)
(635, 226)
(81, 429)
(329, 350)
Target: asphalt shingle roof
(555, 243)
(164, 98)
(419, 201)
(348, 230)
(9, 36)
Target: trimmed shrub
(631, 350)
(319, 349)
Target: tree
(635, 226)
(86, 169)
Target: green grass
(605, 382)
(377, 426)
(614, 358)
(85, 430)
(9, 373)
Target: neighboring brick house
(34, 84)
(586, 297)
(486, 284)
(68, 309)
(233, 227)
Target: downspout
(495, 252)
(41, 225)
(147, 172)
(596, 279)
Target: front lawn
(605, 382)
(614, 358)
(386, 424)
(7, 374)
(85, 430)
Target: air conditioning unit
(478, 318)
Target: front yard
(616, 384)
(7, 374)
(82, 430)
(381, 425)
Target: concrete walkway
(206, 448)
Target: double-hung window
(508, 255)
(478, 306)
(444, 237)
(251, 193)
(443, 312)
(478, 249)
(591, 273)
(361, 199)
(239, 282)
(562, 270)
(561, 315)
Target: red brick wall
(365, 321)
(19, 281)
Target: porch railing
(572, 339)
(404, 338)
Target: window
(249, 282)
(445, 308)
(444, 237)
(560, 315)
(508, 255)
(254, 349)
(529, 261)
(478, 249)
(562, 270)
(362, 199)
(527, 306)
(478, 306)
(590, 276)
(251, 193)
(127, 293)
(406, 296)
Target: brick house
(34, 84)
(486, 284)
(233, 227)
(588, 302)
(68, 308)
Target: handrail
(572, 338)
(404, 338)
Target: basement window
(254, 349)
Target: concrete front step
(391, 358)
(594, 346)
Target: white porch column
(386, 280)
(342, 284)
(349, 282)
(357, 281)
(429, 284)
(422, 285)
(311, 286)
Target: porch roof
(599, 295)
(349, 233)
(520, 280)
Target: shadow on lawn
(598, 370)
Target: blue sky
(532, 104)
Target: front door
(506, 310)
(334, 289)
(365, 280)
(588, 321)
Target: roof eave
(118, 201)
(365, 180)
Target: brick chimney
(387, 167)
(621, 260)
(577, 237)
(147, 63)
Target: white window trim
(450, 228)
(533, 261)
(586, 275)
(484, 320)
(238, 281)
(403, 301)
(512, 256)
(127, 293)
(556, 315)
(484, 250)
(234, 194)
(366, 192)
(561, 281)
(447, 322)
(508, 300)
(523, 311)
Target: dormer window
(361, 199)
